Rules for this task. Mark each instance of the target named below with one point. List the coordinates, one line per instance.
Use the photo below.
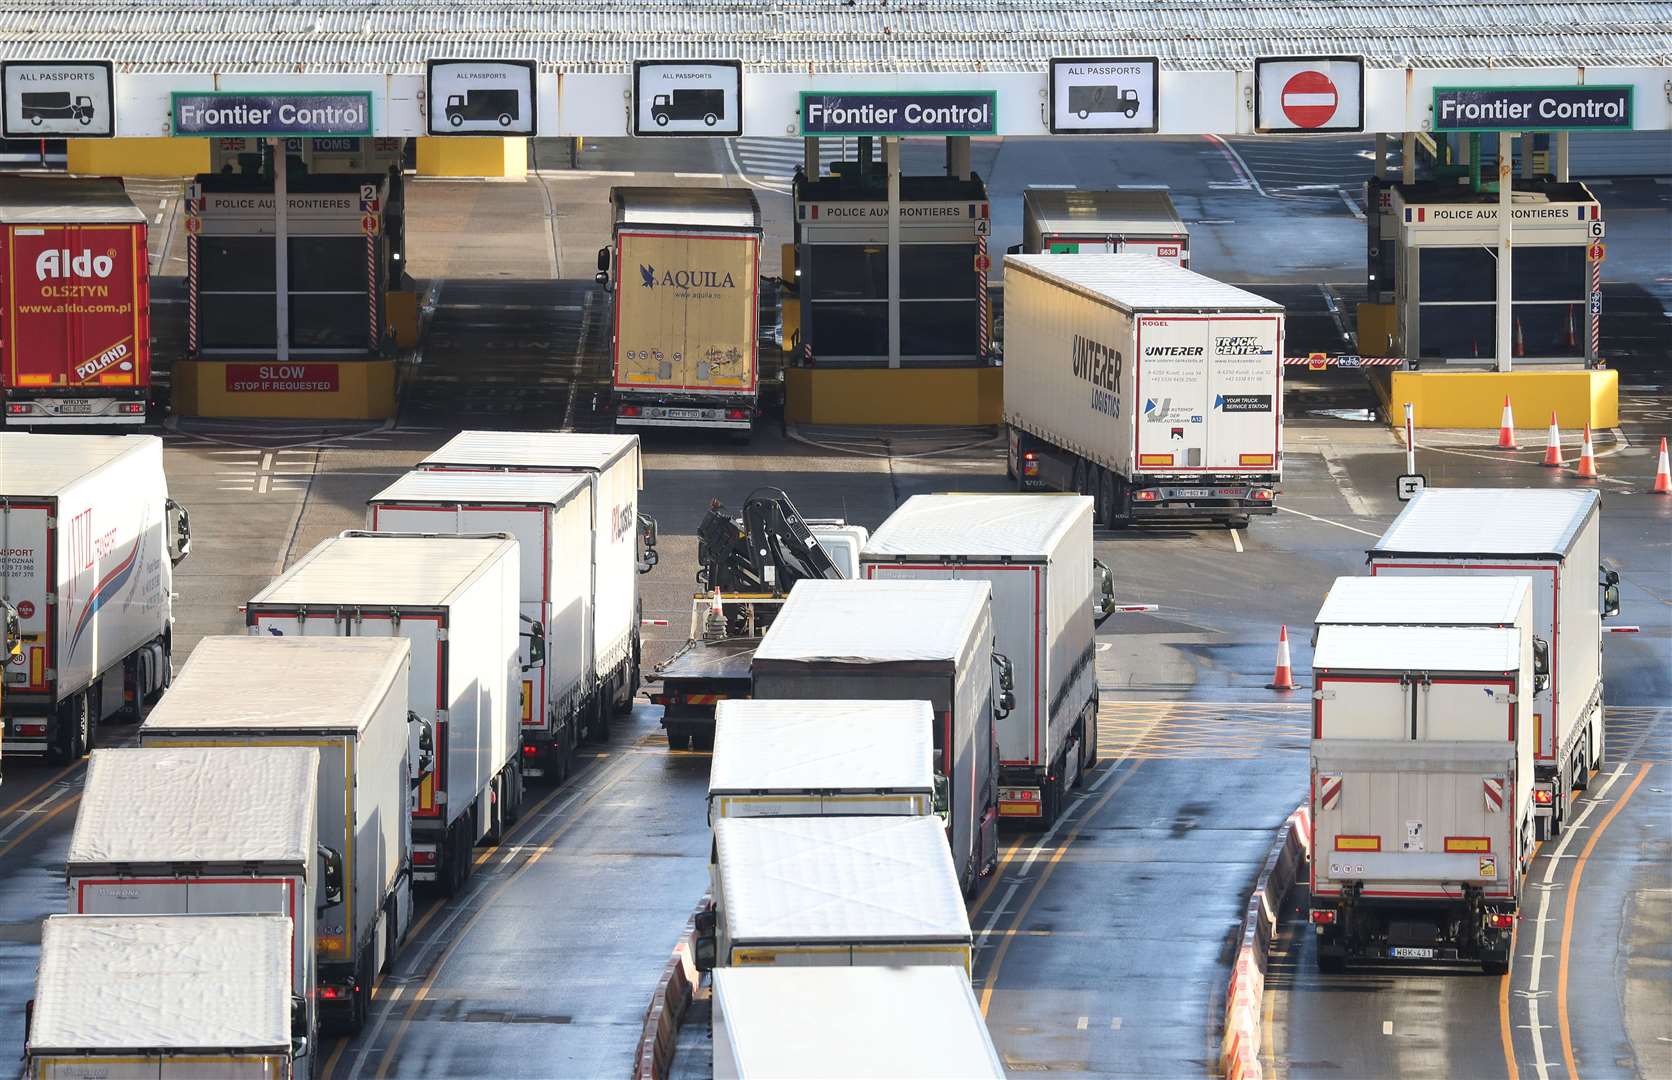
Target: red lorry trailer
(75, 303)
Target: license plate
(1411, 954)
(71, 407)
(528, 771)
(684, 414)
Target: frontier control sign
(930, 112)
(325, 112)
(1532, 108)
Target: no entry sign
(1309, 93)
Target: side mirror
(1013, 249)
(182, 543)
(1610, 600)
(943, 796)
(1103, 603)
(1007, 672)
(426, 747)
(603, 260)
(333, 883)
(1541, 665)
(705, 948)
(648, 556)
(11, 633)
(536, 645)
(1007, 703)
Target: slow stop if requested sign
(1318, 93)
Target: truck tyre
(678, 740)
(1082, 477)
(1238, 522)
(75, 732)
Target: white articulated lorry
(1123, 221)
(208, 831)
(166, 997)
(88, 543)
(1553, 537)
(623, 540)
(1035, 552)
(1155, 390)
(551, 516)
(1421, 779)
(858, 1023)
(455, 598)
(833, 892)
(345, 699)
(906, 641)
(822, 758)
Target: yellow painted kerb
(1475, 399)
(916, 396)
(365, 391)
(489, 156)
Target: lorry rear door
(1172, 383)
(686, 312)
(74, 306)
(1245, 392)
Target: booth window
(849, 272)
(848, 288)
(846, 329)
(236, 302)
(937, 272)
(1459, 286)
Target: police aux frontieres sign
(241, 113)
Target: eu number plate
(1411, 954)
(72, 407)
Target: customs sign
(923, 112)
(1532, 108)
(238, 112)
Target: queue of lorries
(292, 787)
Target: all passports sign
(1532, 108)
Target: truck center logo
(1239, 345)
(685, 279)
(1099, 365)
(60, 263)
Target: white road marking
(1387, 1027)
(52, 796)
(1327, 521)
(697, 175)
(1114, 1024)
(1236, 538)
(1540, 1065)
(1338, 473)
(1082, 1023)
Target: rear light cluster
(737, 414)
(337, 993)
(629, 410)
(17, 408)
(1543, 796)
(1500, 920)
(1146, 496)
(1262, 494)
(29, 729)
(421, 857)
(132, 408)
(529, 749)
(1323, 916)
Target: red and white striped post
(982, 310)
(194, 225)
(373, 338)
(1596, 311)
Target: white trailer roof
(1103, 213)
(861, 622)
(843, 879)
(561, 450)
(367, 570)
(979, 526)
(162, 982)
(801, 1023)
(1488, 521)
(434, 486)
(46, 464)
(1457, 600)
(208, 804)
(61, 200)
(762, 746)
(1140, 283)
(255, 683)
(1417, 648)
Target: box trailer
(837, 891)
(687, 307)
(1119, 222)
(1035, 552)
(551, 515)
(906, 641)
(1421, 775)
(88, 543)
(1155, 390)
(166, 997)
(454, 597)
(800, 1023)
(346, 698)
(623, 540)
(1553, 537)
(75, 325)
(822, 758)
(208, 830)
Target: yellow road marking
(40, 821)
(992, 976)
(65, 771)
(1504, 1031)
(486, 905)
(1567, 922)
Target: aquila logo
(685, 279)
(648, 273)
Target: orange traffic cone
(1284, 679)
(1587, 458)
(1553, 450)
(1506, 427)
(715, 607)
(1663, 473)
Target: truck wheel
(75, 721)
(680, 740)
(1237, 522)
(1495, 966)
(514, 814)
(1080, 482)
